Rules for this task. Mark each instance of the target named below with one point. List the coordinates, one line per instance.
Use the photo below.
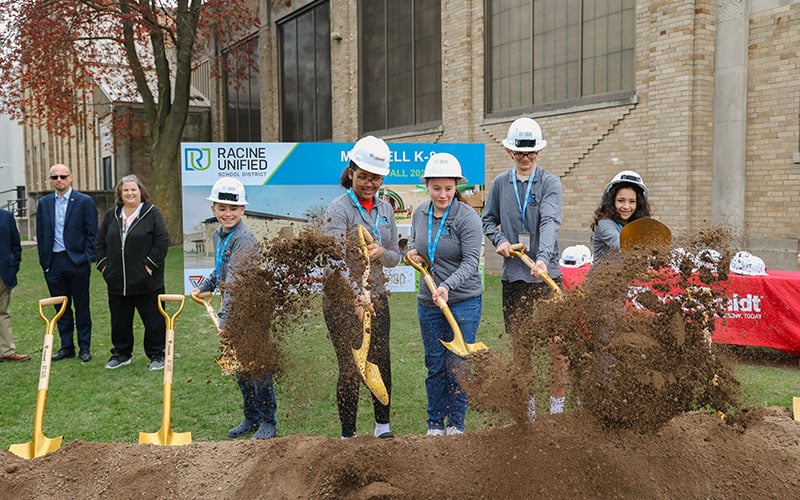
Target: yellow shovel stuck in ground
(165, 436)
(370, 373)
(41, 445)
(458, 345)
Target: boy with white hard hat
(232, 241)
(524, 206)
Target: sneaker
(385, 435)
(115, 363)
(245, 427)
(532, 409)
(156, 364)
(266, 430)
(453, 430)
(435, 432)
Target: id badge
(525, 238)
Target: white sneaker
(435, 432)
(532, 409)
(453, 430)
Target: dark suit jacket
(10, 249)
(80, 228)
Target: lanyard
(523, 206)
(221, 246)
(376, 230)
(435, 243)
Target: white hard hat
(443, 165)
(229, 191)
(748, 264)
(576, 256)
(524, 135)
(370, 154)
(628, 176)
(709, 258)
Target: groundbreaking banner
(289, 185)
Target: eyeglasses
(62, 177)
(520, 154)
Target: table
(761, 310)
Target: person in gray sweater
(624, 200)
(447, 233)
(343, 300)
(232, 242)
(524, 206)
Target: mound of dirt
(694, 455)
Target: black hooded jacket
(123, 265)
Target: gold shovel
(518, 250)
(204, 299)
(370, 373)
(41, 445)
(165, 436)
(457, 346)
(227, 359)
(643, 232)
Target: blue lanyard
(221, 246)
(435, 243)
(376, 230)
(523, 206)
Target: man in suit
(66, 226)
(10, 257)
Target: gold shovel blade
(166, 438)
(644, 232)
(38, 447)
(370, 373)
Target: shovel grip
(518, 250)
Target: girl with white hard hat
(342, 304)
(624, 200)
(447, 233)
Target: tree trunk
(167, 185)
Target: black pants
(65, 278)
(344, 329)
(155, 328)
(519, 302)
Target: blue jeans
(445, 397)
(258, 396)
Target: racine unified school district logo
(197, 159)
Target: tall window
(401, 63)
(305, 45)
(242, 98)
(546, 52)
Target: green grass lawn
(87, 402)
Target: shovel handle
(165, 297)
(518, 250)
(204, 299)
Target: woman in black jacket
(131, 246)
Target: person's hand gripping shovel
(165, 436)
(518, 250)
(370, 373)
(41, 445)
(457, 346)
(227, 360)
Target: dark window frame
(570, 104)
(253, 111)
(417, 95)
(291, 107)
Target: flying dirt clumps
(637, 336)
(271, 291)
